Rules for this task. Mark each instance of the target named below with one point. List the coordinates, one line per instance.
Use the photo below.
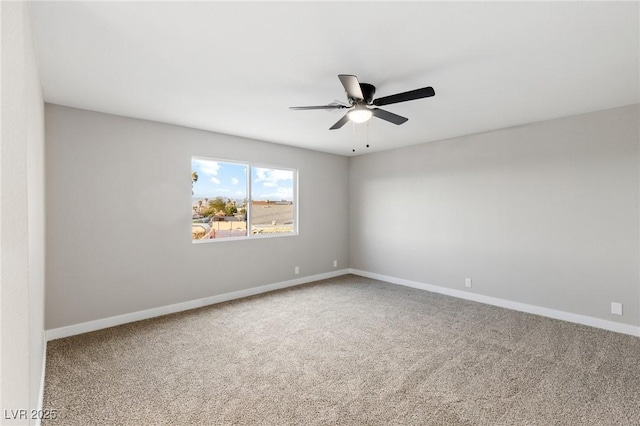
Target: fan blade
(340, 123)
(352, 86)
(319, 107)
(425, 92)
(389, 116)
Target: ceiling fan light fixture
(360, 114)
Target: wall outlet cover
(616, 308)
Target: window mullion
(249, 203)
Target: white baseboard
(503, 303)
(72, 330)
(85, 327)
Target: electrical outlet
(296, 270)
(335, 263)
(616, 308)
(467, 282)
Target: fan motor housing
(368, 90)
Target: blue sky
(229, 180)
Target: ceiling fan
(362, 105)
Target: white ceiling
(235, 68)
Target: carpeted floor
(348, 350)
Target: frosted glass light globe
(359, 114)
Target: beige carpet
(348, 350)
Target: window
(239, 200)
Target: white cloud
(215, 180)
(234, 181)
(209, 168)
(271, 177)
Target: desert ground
(265, 215)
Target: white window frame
(250, 235)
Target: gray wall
(21, 215)
(119, 214)
(545, 214)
